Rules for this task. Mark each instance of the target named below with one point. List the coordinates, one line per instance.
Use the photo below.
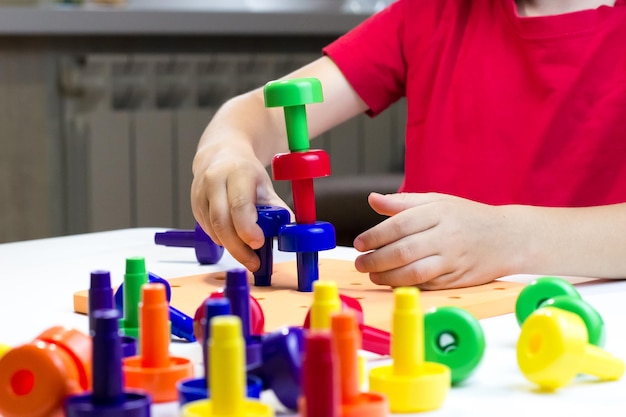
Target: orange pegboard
(283, 305)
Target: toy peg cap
(553, 348)
(455, 338)
(539, 291)
(35, 380)
(295, 92)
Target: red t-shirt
(501, 109)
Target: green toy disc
(537, 292)
(453, 337)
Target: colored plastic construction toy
(154, 370)
(553, 348)
(135, 278)
(453, 337)
(556, 292)
(320, 377)
(257, 317)
(326, 302)
(181, 324)
(281, 371)
(196, 389)
(410, 384)
(270, 220)
(4, 349)
(108, 398)
(37, 377)
(539, 291)
(101, 298)
(227, 376)
(307, 236)
(237, 290)
(207, 251)
(354, 403)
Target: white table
(38, 279)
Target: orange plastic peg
(154, 370)
(36, 377)
(354, 403)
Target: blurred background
(102, 104)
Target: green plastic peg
(134, 278)
(293, 96)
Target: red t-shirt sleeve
(370, 57)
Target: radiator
(131, 124)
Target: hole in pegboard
(499, 289)
(455, 297)
(356, 283)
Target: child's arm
(241, 139)
(439, 241)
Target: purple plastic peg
(108, 398)
(100, 294)
(101, 298)
(282, 364)
(237, 290)
(207, 251)
(270, 219)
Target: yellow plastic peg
(227, 376)
(553, 348)
(410, 384)
(4, 349)
(326, 301)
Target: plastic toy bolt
(281, 370)
(453, 337)
(207, 251)
(196, 389)
(108, 398)
(301, 166)
(257, 317)
(101, 298)
(553, 348)
(36, 377)
(539, 291)
(320, 377)
(227, 376)
(325, 303)
(154, 370)
(134, 278)
(237, 290)
(593, 321)
(410, 384)
(181, 324)
(270, 219)
(306, 240)
(354, 403)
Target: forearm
(569, 241)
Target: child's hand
(228, 183)
(436, 241)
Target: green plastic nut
(593, 321)
(453, 337)
(539, 291)
(293, 95)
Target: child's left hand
(437, 241)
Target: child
(515, 145)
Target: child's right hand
(229, 181)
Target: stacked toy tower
(307, 236)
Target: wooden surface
(283, 305)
